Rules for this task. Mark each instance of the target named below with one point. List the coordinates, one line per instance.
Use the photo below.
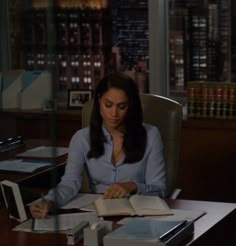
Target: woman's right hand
(40, 209)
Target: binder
(11, 89)
(36, 90)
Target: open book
(135, 205)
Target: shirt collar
(106, 133)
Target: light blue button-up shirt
(149, 173)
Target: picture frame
(77, 98)
(13, 200)
(16, 199)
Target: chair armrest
(175, 193)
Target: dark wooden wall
(208, 160)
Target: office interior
(47, 55)
(54, 52)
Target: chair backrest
(166, 115)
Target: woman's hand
(119, 190)
(40, 209)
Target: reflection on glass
(207, 46)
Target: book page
(108, 207)
(149, 205)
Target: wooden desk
(216, 212)
(37, 177)
(220, 217)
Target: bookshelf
(211, 100)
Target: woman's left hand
(119, 190)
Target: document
(82, 200)
(20, 165)
(135, 205)
(63, 221)
(44, 152)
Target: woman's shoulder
(80, 139)
(151, 129)
(81, 133)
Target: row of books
(211, 100)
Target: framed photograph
(13, 200)
(77, 98)
(16, 199)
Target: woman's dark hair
(135, 134)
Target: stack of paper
(44, 152)
(61, 222)
(20, 165)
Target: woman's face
(113, 108)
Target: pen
(42, 199)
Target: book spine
(231, 103)
(204, 100)
(219, 102)
(191, 101)
(225, 99)
(211, 101)
(199, 100)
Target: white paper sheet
(19, 165)
(44, 152)
(64, 221)
(82, 200)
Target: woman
(122, 154)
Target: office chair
(166, 115)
